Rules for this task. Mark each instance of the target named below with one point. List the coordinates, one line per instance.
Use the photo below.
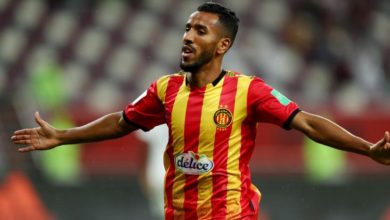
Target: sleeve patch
(280, 97)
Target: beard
(204, 58)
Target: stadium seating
(110, 51)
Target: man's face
(200, 40)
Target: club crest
(223, 118)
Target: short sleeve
(269, 105)
(147, 111)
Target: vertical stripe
(234, 181)
(170, 105)
(220, 179)
(162, 85)
(206, 145)
(191, 143)
(248, 134)
(178, 135)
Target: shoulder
(168, 82)
(178, 76)
(254, 86)
(251, 79)
(175, 77)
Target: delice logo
(193, 164)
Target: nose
(188, 37)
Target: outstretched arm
(46, 136)
(329, 133)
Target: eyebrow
(197, 26)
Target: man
(212, 116)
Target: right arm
(46, 136)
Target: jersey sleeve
(269, 105)
(147, 111)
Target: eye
(187, 28)
(201, 32)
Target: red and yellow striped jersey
(211, 139)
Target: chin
(187, 67)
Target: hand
(380, 151)
(39, 138)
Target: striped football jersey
(212, 134)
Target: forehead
(203, 18)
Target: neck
(204, 75)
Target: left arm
(329, 133)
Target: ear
(224, 45)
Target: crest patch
(223, 118)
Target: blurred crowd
(326, 53)
(72, 59)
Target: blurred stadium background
(76, 60)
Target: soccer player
(211, 114)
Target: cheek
(206, 46)
(211, 48)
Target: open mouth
(187, 50)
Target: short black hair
(227, 17)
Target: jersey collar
(215, 82)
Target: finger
(24, 141)
(23, 131)
(387, 146)
(20, 137)
(387, 137)
(26, 149)
(39, 120)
